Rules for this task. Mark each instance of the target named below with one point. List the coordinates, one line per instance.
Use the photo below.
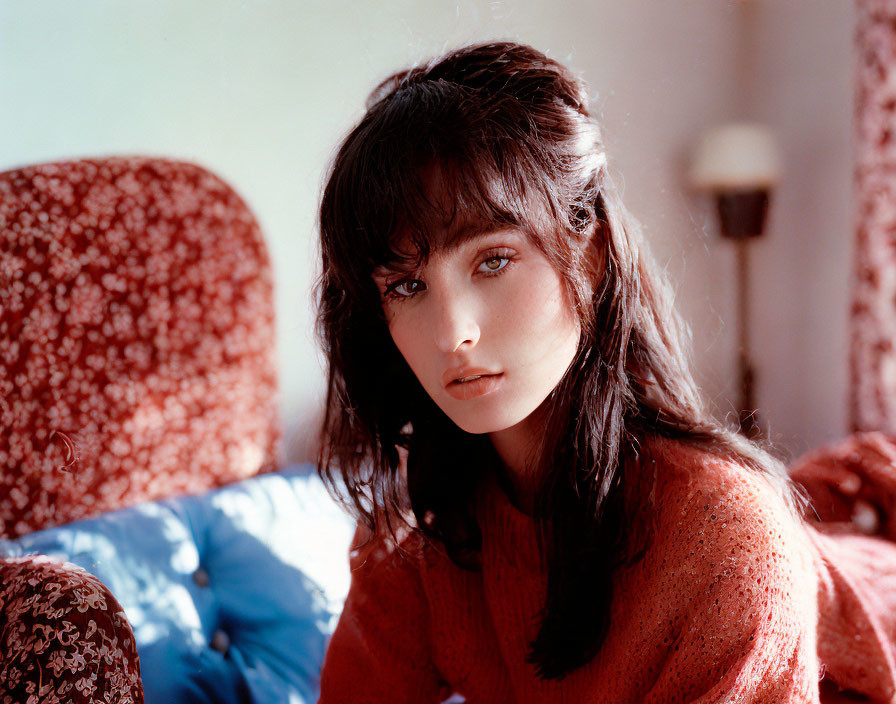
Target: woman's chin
(484, 423)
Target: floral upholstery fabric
(64, 637)
(137, 356)
(872, 388)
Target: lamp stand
(747, 412)
(742, 216)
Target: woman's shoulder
(707, 503)
(725, 534)
(684, 472)
(732, 576)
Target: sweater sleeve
(380, 650)
(745, 583)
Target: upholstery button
(200, 576)
(220, 642)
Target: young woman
(547, 510)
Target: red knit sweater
(736, 601)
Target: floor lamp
(739, 165)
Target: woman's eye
(495, 263)
(405, 288)
(408, 288)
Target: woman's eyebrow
(385, 270)
(456, 240)
(397, 266)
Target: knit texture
(724, 606)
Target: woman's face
(486, 328)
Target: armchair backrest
(137, 339)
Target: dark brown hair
(507, 133)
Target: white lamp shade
(737, 156)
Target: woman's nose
(456, 322)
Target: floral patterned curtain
(872, 394)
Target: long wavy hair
(509, 133)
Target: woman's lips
(485, 384)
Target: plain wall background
(262, 91)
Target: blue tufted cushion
(232, 595)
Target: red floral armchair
(137, 361)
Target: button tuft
(220, 642)
(200, 576)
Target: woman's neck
(517, 446)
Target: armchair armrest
(63, 636)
